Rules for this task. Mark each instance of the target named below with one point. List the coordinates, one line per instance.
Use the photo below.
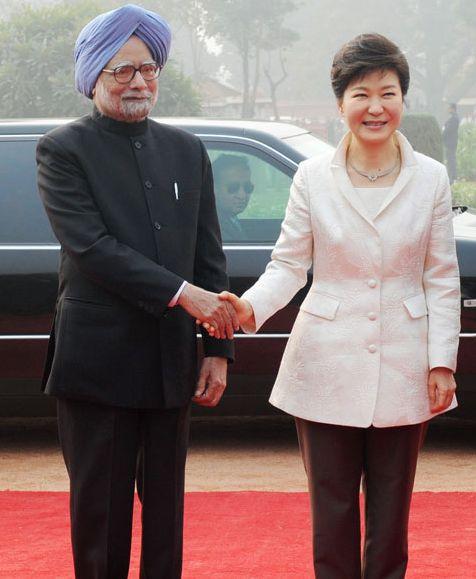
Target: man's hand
(243, 312)
(207, 308)
(211, 382)
(441, 388)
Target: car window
(251, 191)
(22, 217)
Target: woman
(372, 352)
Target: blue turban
(99, 41)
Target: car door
(28, 280)
(248, 248)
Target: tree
(37, 68)
(250, 27)
(437, 36)
(274, 84)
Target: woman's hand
(243, 311)
(441, 388)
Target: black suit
(128, 241)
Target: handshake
(220, 314)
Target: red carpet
(237, 535)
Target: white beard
(125, 109)
(134, 111)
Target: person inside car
(233, 189)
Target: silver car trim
(47, 337)
(237, 336)
(247, 247)
(36, 247)
(53, 247)
(26, 337)
(23, 137)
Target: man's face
(131, 102)
(233, 189)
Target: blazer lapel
(338, 167)
(341, 178)
(347, 189)
(409, 167)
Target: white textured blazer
(384, 305)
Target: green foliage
(424, 134)
(466, 152)
(36, 71)
(177, 97)
(37, 68)
(464, 193)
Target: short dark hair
(224, 162)
(364, 54)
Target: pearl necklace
(374, 175)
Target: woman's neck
(366, 157)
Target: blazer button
(148, 184)
(372, 316)
(138, 145)
(157, 226)
(372, 348)
(372, 283)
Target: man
(131, 202)
(450, 140)
(233, 188)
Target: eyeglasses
(126, 72)
(235, 186)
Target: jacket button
(138, 145)
(157, 226)
(372, 316)
(372, 283)
(372, 348)
(148, 184)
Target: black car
(270, 153)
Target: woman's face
(372, 107)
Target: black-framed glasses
(124, 73)
(235, 186)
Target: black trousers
(336, 459)
(102, 448)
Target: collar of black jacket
(119, 127)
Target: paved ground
(234, 454)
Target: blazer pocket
(416, 306)
(320, 305)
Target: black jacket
(450, 131)
(127, 244)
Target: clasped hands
(220, 314)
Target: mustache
(137, 93)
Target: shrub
(466, 152)
(464, 193)
(424, 134)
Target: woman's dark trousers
(336, 459)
